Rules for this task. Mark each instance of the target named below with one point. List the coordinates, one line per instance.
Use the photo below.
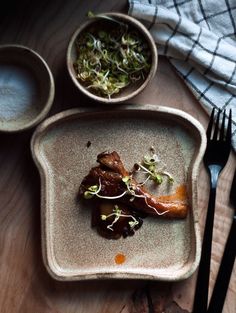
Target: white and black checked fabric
(199, 39)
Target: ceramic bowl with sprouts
(111, 57)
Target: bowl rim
(147, 36)
(50, 98)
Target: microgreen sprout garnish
(111, 58)
(95, 189)
(117, 213)
(92, 191)
(131, 188)
(151, 207)
(132, 224)
(151, 166)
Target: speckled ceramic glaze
(26, 88)
(162, 249)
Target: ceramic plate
(161, 249)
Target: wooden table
(26, 287)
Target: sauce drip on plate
(179, 195)
(120, 258)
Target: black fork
(215, 158)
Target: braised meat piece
(115, 181)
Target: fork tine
(209, 128)
(216, 126)
(222, 130)
(229, 128)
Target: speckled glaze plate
(161, 249)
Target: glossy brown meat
(113, 162)
(110, 173)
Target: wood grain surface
(26, 287)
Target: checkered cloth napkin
(199, 39)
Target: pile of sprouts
(111, 57)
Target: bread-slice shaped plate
(65, 147)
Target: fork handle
(225, 270)
(201, 291)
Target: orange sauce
(120, 258)
(179, 195)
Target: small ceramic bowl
(26, 88)
(101, 23)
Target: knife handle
(222, 281)
(201, 290)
